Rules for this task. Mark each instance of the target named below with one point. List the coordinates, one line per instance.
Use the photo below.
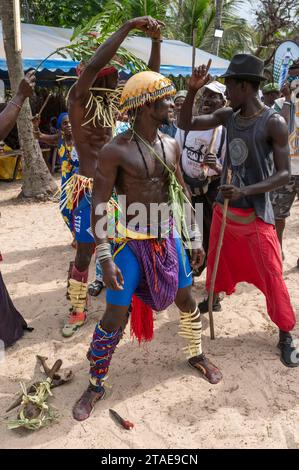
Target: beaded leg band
(100, 353)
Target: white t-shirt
(293, 133)
(196, 147)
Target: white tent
(176, 56)
(40, 41)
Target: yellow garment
(126, 233)
(8, 164)
(143, 87)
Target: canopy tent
(176, 56)
(40, 41)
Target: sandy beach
(255, 406)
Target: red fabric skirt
(251, 253)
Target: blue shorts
(82, 220)
(131, 272)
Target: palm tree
(193, 14)
(201, 14)
(181, 17)
(127, 9)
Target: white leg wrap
(190, 329)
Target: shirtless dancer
(89, 140)
(151, 266)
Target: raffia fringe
(71, 192)
(101, 110)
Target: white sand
(255, 406)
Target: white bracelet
(103, 252)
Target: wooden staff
(216, 263)
(38, 115)
(212, 143)
(45, 104)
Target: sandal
(208, 370)
(95, 288)
(85, 405)
(204, 305)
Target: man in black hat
(257, 143)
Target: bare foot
(84, 406)
(209, 370)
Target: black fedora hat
(245, 67)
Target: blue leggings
(132, 274)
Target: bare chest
(145, 163)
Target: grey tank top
(250, 157)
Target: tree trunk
(218, 18)
(37, 180)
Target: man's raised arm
(199, 79)
(155, 58)
(11, 112)
(107, 51)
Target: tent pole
(194, 47)
(17, 24)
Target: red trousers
(251, 253)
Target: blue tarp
(52, 65)
(67, 65)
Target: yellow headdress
(144, 87)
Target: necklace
(144, 160)
(253, 115)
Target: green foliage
(86, 39)
(64, 13)
(125, 10)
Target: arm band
(103, 252)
